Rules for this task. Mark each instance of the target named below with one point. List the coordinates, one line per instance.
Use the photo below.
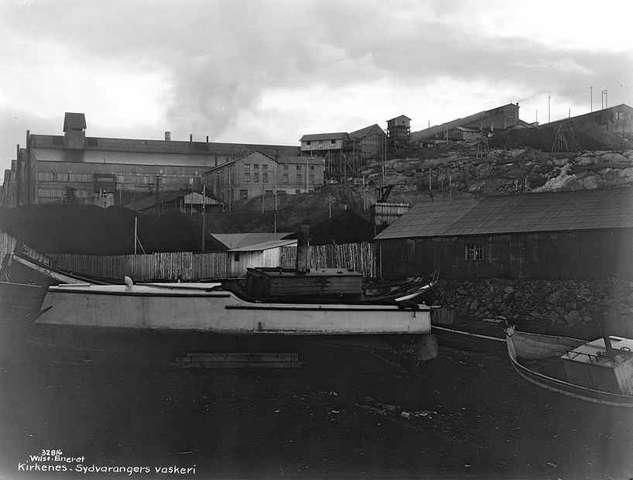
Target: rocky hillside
(462, 171)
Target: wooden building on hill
(563, 235)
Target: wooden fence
(360, 257)
(188, 266)
(7, 244)
(170, 266)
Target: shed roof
(533, 212)
(459, 122)
(241, 242)
(151, 200)
(74, 121)
(324, 136)
(398, 117)
(363, 132)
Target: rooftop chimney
(74, 130)
(168, 136)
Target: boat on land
(598, 371)
(271, 310)
(209, 317)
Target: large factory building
(74, 168)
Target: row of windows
(244, 193)
(55, 193)
(265, 178)
(320, 142)
(83, 177)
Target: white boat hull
(217, 311)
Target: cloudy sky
(270, 71)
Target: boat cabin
(600, 366)
(319, 283)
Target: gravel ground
(465, 414)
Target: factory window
(45, 176)
(255, 172)
(473, 251)
(307, 143)
(284, 178)
(243, 194)
(247, 172)
(332, 142)
(236, 256)
(265, 173)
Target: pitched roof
(533, 212)
(435, 129)
(240, 242)
(133, 145)
(363, 132)
(324, 136)
(594, 114)
(74, 121)
(399, 116)
(151, 200)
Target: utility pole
(275, 198)
(591, 99)
(204, 215)
(548, 108)
(135, 233)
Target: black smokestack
(303, 249)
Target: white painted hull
(217, 311)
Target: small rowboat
(598, 371)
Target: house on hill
(257, 174)
(370, 142)
(564, 235)
(398, 134)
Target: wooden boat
(193, 317)
(599, 371)
(24, 278)
(208, 307)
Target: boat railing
(596, 357)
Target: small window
(332, 142)
(474, 252)
(236, 256)
(307, 143)
(243, 194)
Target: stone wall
(566, 307)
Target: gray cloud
(221, 56)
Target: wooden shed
(251, 250)
(548, 235)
